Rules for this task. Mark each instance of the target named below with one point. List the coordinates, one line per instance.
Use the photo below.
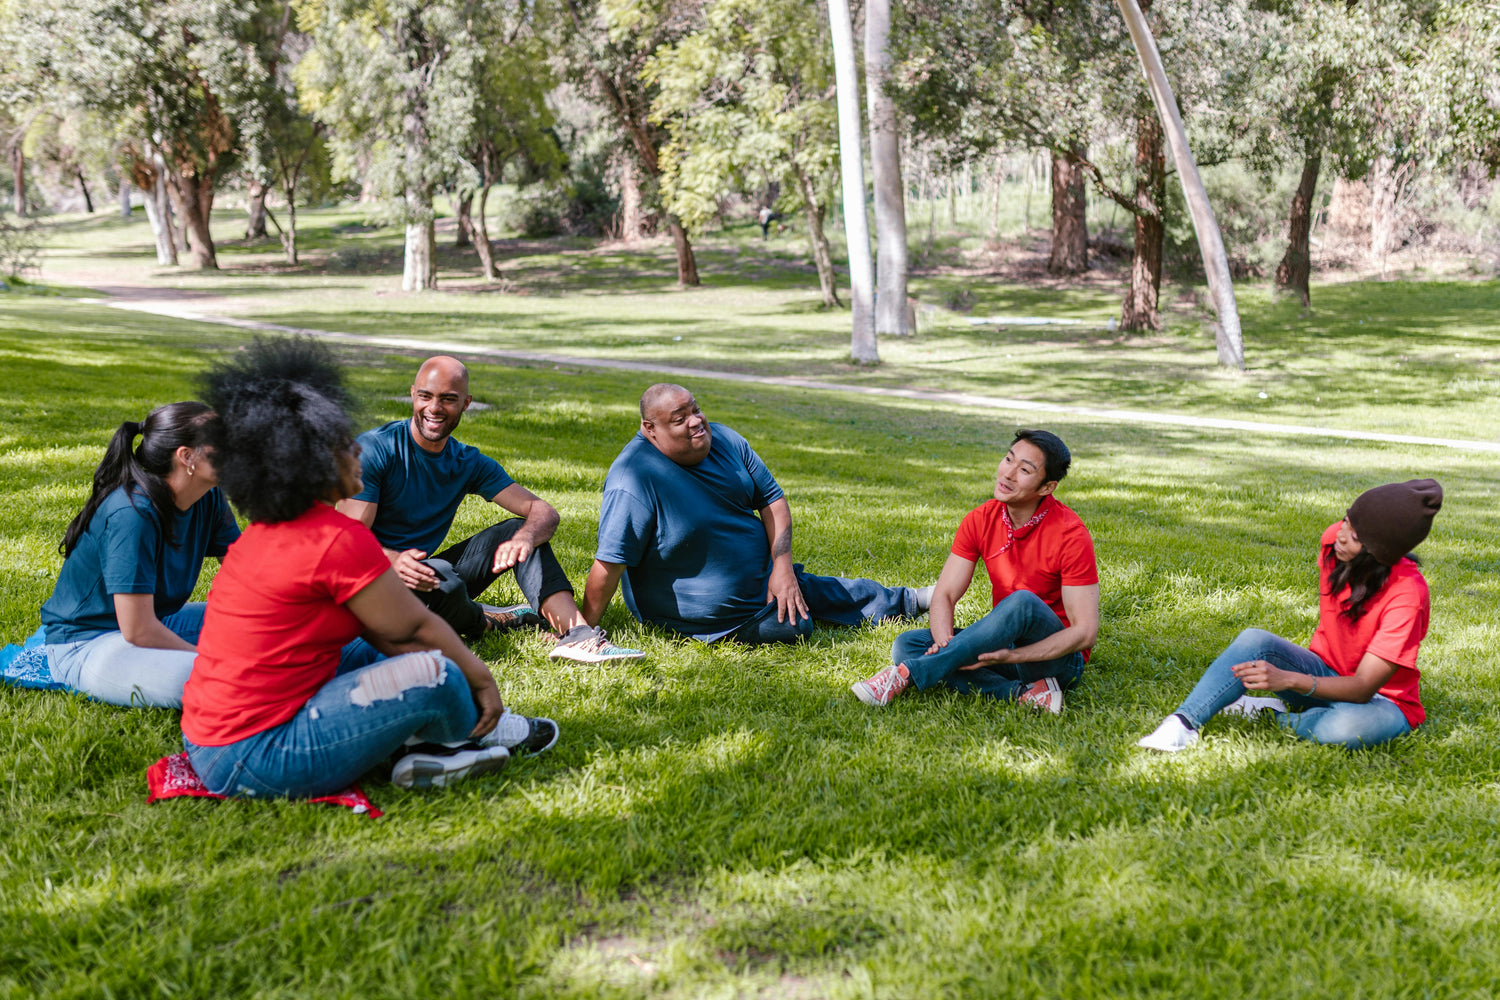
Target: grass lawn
(734, 823)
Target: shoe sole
(425, 771)
(578, 656)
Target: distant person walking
(118, 624)
(1357, 683)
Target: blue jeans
(1346, 723)
(352, 724)
(837, 599)
(1020, 620)
(111, 670)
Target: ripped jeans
(351, 725)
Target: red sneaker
(880, 689)
(1045, 694)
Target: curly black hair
(282, 405)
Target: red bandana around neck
(1012, 533)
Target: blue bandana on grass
(25, 666)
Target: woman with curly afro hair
(315, 662)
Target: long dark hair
(1364, 575)
(285, 427)
(143, 468)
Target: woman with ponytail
(119, 626)
(1357, 683)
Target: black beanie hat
(1391, 520)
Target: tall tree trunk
(1295, 269)
(687, 264)
(18, 177)
(419, 266)
(482, 231)
(630, 200)
(125, 186)
(465, 237)
(255, 210)
(150, 176)
(1070, 227)
(1227, 337)
(83, 185)
(289, 235)
(1140, 309)
(885, 167)
(1387, 181)
(817, 239)
(862, 344)
(195, 202)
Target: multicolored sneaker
(591, 645)
(880, 689)
(434, 765)
(498, 619)
(521, 734)
(1045, 694)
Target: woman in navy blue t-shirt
(119, 626)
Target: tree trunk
(1070, 227)
(1387, 181)
(630, 200)
(419, 267)
(159, 214)
(687, 264)
(195, 198)
(465, 237)
(1295, 269)
(255, 210)
(18, 177)
(885, 166)
(862, 345)
(1227, 338)
(125, 186)
(1139, 312)
(482, 232)
(817, 239)
(289, 235)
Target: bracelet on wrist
(1314, 689)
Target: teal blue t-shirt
(122, 552)
(418, 492)
(696, 555)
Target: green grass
(729, 822)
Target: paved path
(165, 307)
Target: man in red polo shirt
(1045, 590)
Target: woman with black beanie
(1357, 684)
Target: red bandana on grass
(1012, 533)
(174, 775)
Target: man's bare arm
(541, 522)
(1082, 606)
(599, 589)
(782, 587)
(407, 563)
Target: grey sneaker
(521, 734)
(433, 765)
(592, 647)
(498, 619)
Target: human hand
(1258, 675)
(413, 572)
(998, 656)
(510, 553)
(939, 641)
(783, 589)
(487, 701)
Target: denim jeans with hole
(339, 734)
(111, 670)
(1019, 620)
(1346, 723)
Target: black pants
(466, 570)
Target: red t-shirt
(276, 622)
(1058, 552)
(1392, 627)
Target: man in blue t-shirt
(416, 475)
(700, 533)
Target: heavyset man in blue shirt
(416, 475)
(700, 534)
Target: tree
(746, 103)
(885, 168)
(862, 345)
(611, 42)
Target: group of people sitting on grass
(335, 635)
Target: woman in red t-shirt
(286, 698)
(1357, 684)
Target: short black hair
(1056, 454)
(282, 404)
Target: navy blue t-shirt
(696, 553)
(122, 552)
(419, 491)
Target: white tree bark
(159, 214)
(1230, 344)
(851, 157)
(419, 270)
(885, 166)
(125, 187)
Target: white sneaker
(1249, 706)
(1169, 737)
(433, 765)
(516, 732)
